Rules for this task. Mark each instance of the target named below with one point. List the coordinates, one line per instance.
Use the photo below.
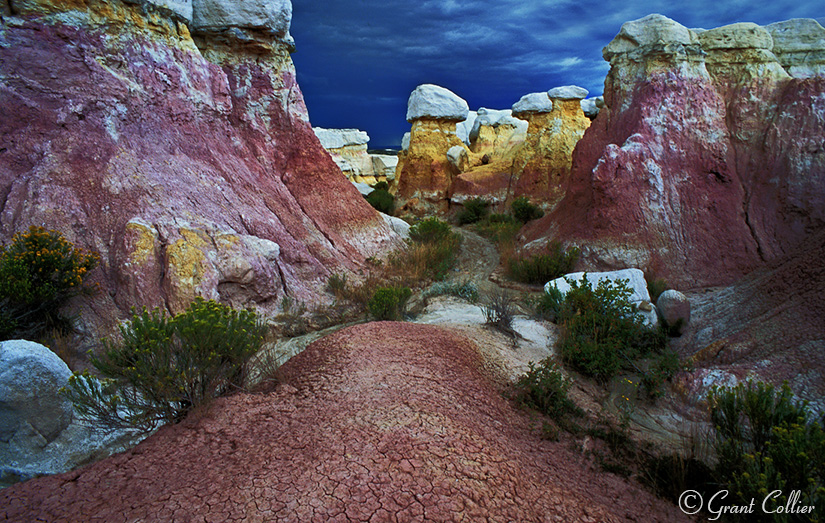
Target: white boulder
(634, 278)
(363, 188)
(31, 377)
(432, 101)
(339, 138)
(458, 157)
(567, 92)
(398, 225)
(384, 165)
(591, 106)
(674, 309)
(462, 129)
(533, 103)
(405, 141)
(274, 16)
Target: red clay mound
(378, 422)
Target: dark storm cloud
(358, 60)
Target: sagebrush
(164, 367)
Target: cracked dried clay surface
(382, 422)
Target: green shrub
(543, 267)
(663, 369)
(39, 272)
(466, 290)
(381, 200)
(431, 251)
(524, 211)
(474, 210)
(163, 368)
(550, 303)
(766, 442)
(601, 332)
(655, 286)
(430, 230)
(381, 186)
(388, 303)
(545, 389)
(501, 229)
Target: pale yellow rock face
(497, 141)
(542, 165)
(355, 163)
(424, 176)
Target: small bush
(337, 284)
(431, 252)
(388, 303)
(550, 303)
(163, 368)
(381, 186)
(545, 389)
(381, 200)
(40, 271)
(601, 332)
(541, 268)
(474, 210)
(655, 286)
(524, 211)
(499, 310)
(430, 230)
(466, 290)
(662, 370)
(765, 442)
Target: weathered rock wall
(702, 165)
(188, 164)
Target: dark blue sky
(359, 60)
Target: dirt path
(385, 422)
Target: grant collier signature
(691, 502)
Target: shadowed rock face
(702, 164)
(377, 422)
(189, 165)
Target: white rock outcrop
(182, 8)
(533, 103)
(437, 103)
(348, 148)
(567, 92)
(497, 118)
(799, 45)
(274, 16)
(592, 106)
(634, 278)
(338, 138)
(384, 165)
(462, 129)
(654, 29)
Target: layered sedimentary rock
(187, 162)
(494, 139)
(495, 132)
(799, 45)
(424, 176)
(348, 149)
(705, 161)
(541, 168)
